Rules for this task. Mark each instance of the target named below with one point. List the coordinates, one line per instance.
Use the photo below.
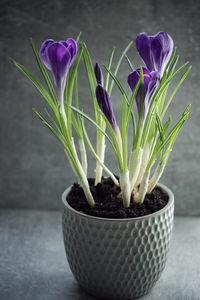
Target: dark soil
(107, 205)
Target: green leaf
(130, 64)
(91, 121)
(93, 83)
(142, 96)
(72, 76)
(76, 98)
(140, 120)
(160, 129)
(175, 129)
(153, 104)
(44, 72)
(114, 138)
(116, 81)
(78, 37)
(37, 84)
(169, 148)
(109, 66)
(171, 58)
(71, 87)
(165, 127)
(76, 126)
(162, 100)
(115, 145)
(175, 90)
(53, 122)
(45, 122)
(122, 91)
(67, 147)
(173, 66)
(91, 78)
(118, 65)
(124, 133)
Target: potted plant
(117, 229)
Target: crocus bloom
(155, 50)
(151, 82)
(58, 57)
(98, 74)
(105, 105)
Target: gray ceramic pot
(117, 259)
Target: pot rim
(159, 212)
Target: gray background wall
(33, 168)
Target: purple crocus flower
(105, 105)
(99, 74)
(155, 50)
(103, 98)
(151, 82)
(58, 57)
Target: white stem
(134, 165)
(83, 155)
(144, 162)
(71, 164)
(139, 197)
(111, 175)
(125, 188)
(62, 108)
(155, 178)
(85, 186)
(100, 153)
(83, 178)
(100, 162)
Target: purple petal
(152, 85)
(98, 74)
(161, 47)
(132, 81)
(58, 57)
(59, 60)
(105, 105)
(151, 82)
(43, 53)
(73, 45)
(151, 89)
(143, 45)
(155, 50)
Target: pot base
(106, 297)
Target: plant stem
(85, 186)
(62, 107)
(125, 189)
(144, 162)
(100, 153)
(82, 179)
(156, 176)
(83, 155)
(139, 197)
(134, 165)
(114, 179)
(119, 140)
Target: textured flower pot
(117, 258)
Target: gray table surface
(33, 263)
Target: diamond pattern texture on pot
(117, 259)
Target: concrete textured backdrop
(33, 168)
